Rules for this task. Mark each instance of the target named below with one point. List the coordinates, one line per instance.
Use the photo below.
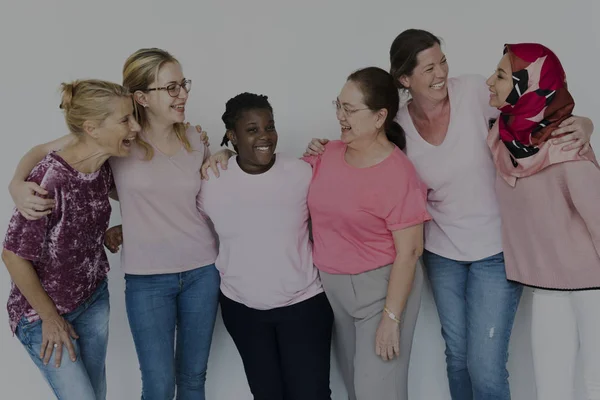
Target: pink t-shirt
(355, 210)
(460, 175)
(265, 255)
(163, 231)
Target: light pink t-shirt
(265, 255)
(355, 210)
(163, 231)
(460, 175)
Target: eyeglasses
(175, 88)
(345, 110)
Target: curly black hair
(237, 105)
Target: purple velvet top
(66, 246)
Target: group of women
(492, 183)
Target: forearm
(400, 283)
(25, 278)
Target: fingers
(48, 352)
(198, 129)
(566, 122)
(572, 145)
(72, 332)
(70, 348)
(565, 139)
(58, 354)
(317, 145)
(214, 167)
(586, 147)
(43, 347)
(390, 353)
(34, 187)
(203, 170)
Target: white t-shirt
(265, 256)
(460, 175)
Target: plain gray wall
(298, 53)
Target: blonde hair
(88, 100)
(139, 72)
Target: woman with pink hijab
(550, 206)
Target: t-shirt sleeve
(27, 238)
(409, 206)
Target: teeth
(345, 128)
(263, 148)
(438, 85)
(179, 107)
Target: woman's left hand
(387, 339)
(577, 132)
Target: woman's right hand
(26, 196)
(56, 333)
(113, 238)
(221, 157)
(316, 147)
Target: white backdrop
(299, 54)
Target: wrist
(49, 315)
(391, 316)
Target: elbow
(411, 256)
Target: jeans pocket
(26, 329)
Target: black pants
(285, 350)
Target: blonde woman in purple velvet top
(59, 294)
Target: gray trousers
(357, 302)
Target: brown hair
(139, 72)
(405, 49)
(88, 100)
(379, 91)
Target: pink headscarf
(537, 105)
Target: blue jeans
(477, 308)
(84, 379)
(157, 307)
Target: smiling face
(429, 78)
(501, 83)
(115, 135)
(357, 121)
(255, 137)
(159, 103)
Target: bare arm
(24, 193)
(409, 247)
(55, 330)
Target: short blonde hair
(88, 100)
(139, 72)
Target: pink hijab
(538, 103)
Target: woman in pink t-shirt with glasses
(368, 206)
